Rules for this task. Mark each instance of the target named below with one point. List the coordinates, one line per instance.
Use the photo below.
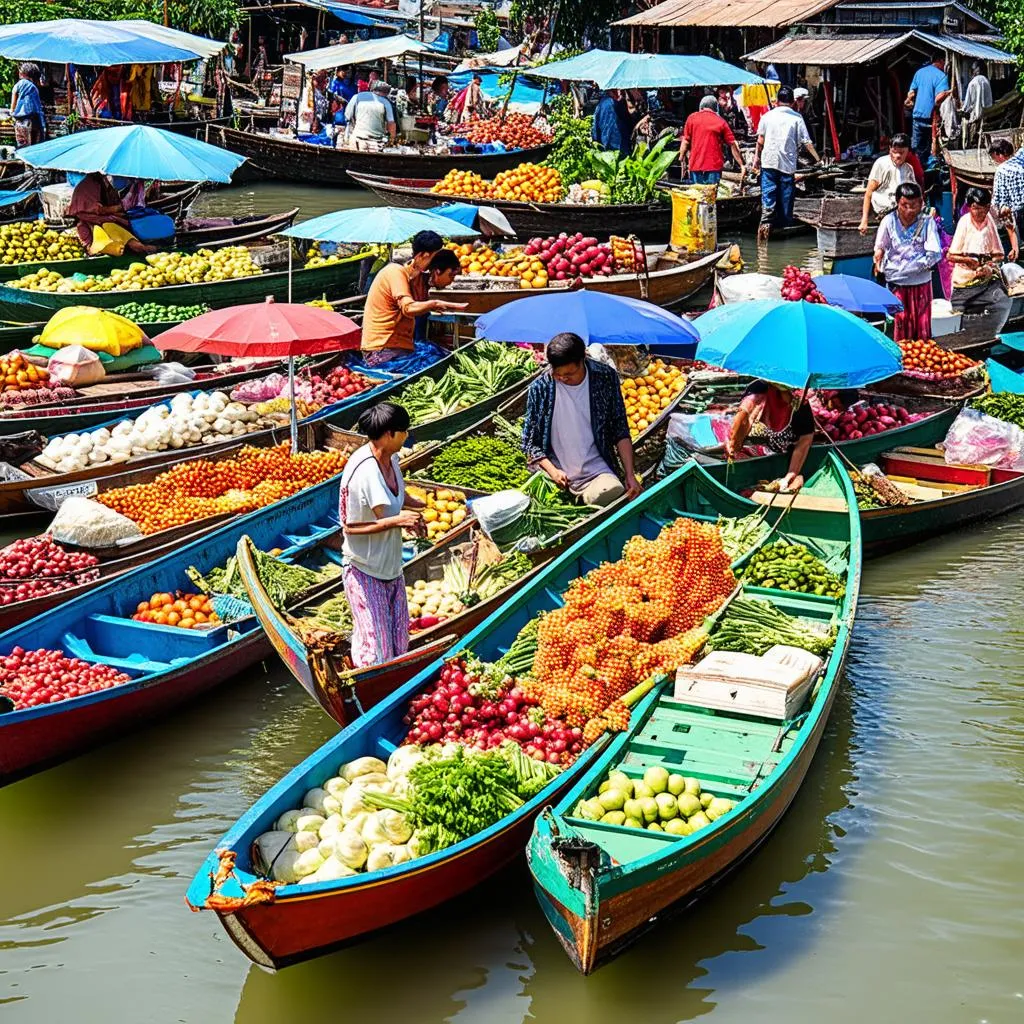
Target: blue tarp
(10, 198)
(524, 91)
(611, 69)
(1004, 379)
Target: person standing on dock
(706, 135)
(887, 174)
(781, 134)
(1008, 183)
(977, 99)
(27, 108)
(928, 89)
(907, 249)
(576, 429)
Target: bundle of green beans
(741, 535)
(518, 659)
(334, 614)
(476, 374)
(551, 512)
(1006, 407)
(754, 626)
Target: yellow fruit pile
(445, 510)
(483, 260)
(529, 183)
(315, 258)
(647, 396)
(31, 241)
(464, 183)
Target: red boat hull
(59, 732)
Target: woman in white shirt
(373, 510)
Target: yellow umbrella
(98, 330)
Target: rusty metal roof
(729, 13)
(826, 51)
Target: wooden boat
(668, 288)
(20, 306)
(602, 886)
(279, 926)
(285, 159)
(168, 665)
(970, 167)
(193, 127)
(11, 169)
(214, 232)
(20, 209)
(739, 210)
(651, 222)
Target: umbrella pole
(290, 272)
(294, 418)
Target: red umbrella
(265, 329)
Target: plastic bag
(88, 524)
(76, 366)
(493, 511)
(977, 439)
(699, 431)
(170, 373)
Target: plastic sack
(170, 373)
(694, 219)
(76, 366)
(88, 524)
(977, 439)
(744, 287)
(699, 431)
(493, 511)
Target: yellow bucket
(695, 218)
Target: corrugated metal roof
(967, 47)
(827, 51)
(729, 13)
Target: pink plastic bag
(76, 366)
(977, 439)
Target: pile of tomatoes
(925, 357)
(43, 676)
(252, 479)
(186, 611)
(516, 131)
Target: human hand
(409, 519)
(632, 486)
(862, 227)
(969, 262)
(1012, 255)
(443, 306)
(558, 477)
(791, 482)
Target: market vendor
(612, 128)
(110, 97)
(976, 253)
(778, 418)
(373, 510)
(398, 296)
(907, 249)
(100, 217)
(887, 174)
(371, 117)
(576, 429)
(27, 107)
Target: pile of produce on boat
(36, 566)
(481, 464)
(185, 611)
(183, 422)
(333, 615)
(925, 359)
(742, 535)
(158, 270)
(647, 395)
(41, 395)
(551, 512)
(476, 374)
(43, 676)
(785, 566)
(155, 313)
(316, 257)
(252, 479)
(526, 183)
(445, 509)
(754, 627)
(32, 242)
(515, 131)
(862, 419)
(270, 394)
(658, 801)
(799, 286)
(18, 374)
(1003, 406)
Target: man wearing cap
(705, 136)
(371, 117)
(800, 99)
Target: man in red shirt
(705, 136)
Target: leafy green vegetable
(633, 178)
(480, 463)
(754, 627)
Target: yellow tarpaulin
(98, 330)
(760, 95)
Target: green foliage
(572, 147)
(579, 21)
(1009, 16)
(633, 178)
(487, 32)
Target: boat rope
(260, 891)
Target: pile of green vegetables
(476, 374)
(785, 566)
(333, 615)
(742, 535)
(154, 313)
(633, 178)
(487, 580)
(282, 581)
(480, 463)
(570, 152)
(754, 627)
(551, 512)
(1006, 407)
(452, 798)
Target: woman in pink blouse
(976, 252)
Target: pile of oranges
(463, 183)
(186, 611)
(483, 260)
(626, 620)
(925, 356)
(647, 396)
(529, 183)
(254, 478)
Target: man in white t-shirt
(887, 174)
(371, 117)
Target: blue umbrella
(378, 224)
(797, 343)
(489, 220)
(857, 294)
(79, 41)
(598, 318)
(1004, 379)
(134, 151)
(611, 69)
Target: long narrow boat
(650, 222)
(167, 665)
(970, 167)
(668, 288)
(276, 926)
(284, 159)
(193, 127)
(603, 885)
(20, 306)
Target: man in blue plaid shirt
(1008, 183)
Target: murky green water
(892, 891)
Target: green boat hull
(99, 265)
(19, 306)
(602, 886)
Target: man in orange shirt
(399, 294)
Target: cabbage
(361, 766)
(373, 832)
(309, 821)
(291, 866)
(332, 826)
(331, 870)
(350, 849)
(332, 805)
(402, 760)
(356, 824)
(305, 840)
(395, 826)
(385, 855)
(288, 821)
(372, 780)
(315, 799)
(353, 802)
(417, 846)
(269, 846)
(336, 786)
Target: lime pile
(154, 313)
(33, 242)
(785, 566)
